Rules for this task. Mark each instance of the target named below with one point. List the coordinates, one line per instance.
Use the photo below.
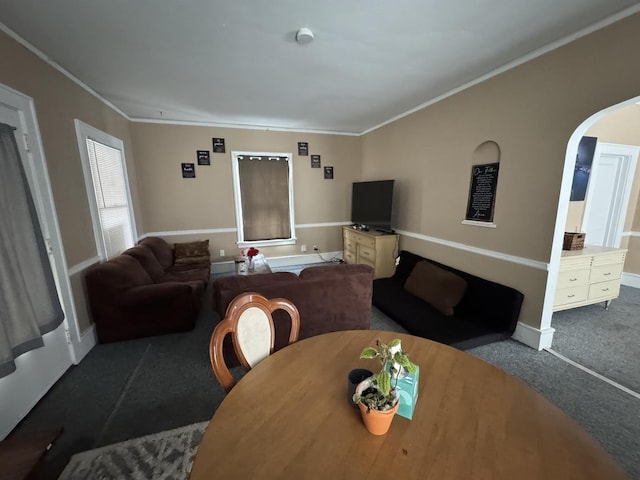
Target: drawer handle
(573, 279)
(605, 289)
(608, 273)
(571, 296)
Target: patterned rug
(161, 456)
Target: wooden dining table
(290, 418)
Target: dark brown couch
(138, 294)
(329, 298)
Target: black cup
(355, 377)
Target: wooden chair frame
(229, 325)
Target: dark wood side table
(21, 455)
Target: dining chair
(249, 321)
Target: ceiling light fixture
(304, 36)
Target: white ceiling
(237, 62)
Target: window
(263, 189)
(108, 188)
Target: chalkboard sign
(482, 192)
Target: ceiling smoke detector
(304, 36)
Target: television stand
(376, 249)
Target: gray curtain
(29, 304)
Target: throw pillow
(191, 252)
(439, 287)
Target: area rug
(166, 455)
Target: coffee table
(289, 417)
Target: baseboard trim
(276, 262)
(88, 340)
(533, 337)
(631, 280)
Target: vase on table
(250, 264)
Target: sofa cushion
(192, 252)
(144, 255)
(161, 249)
(423, 320)
(438, 287)
(119, 273)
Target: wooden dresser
(587, 276)
(377, 249)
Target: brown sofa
(329, 298)
(142, 292)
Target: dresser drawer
(605, 273)
(604, 290)
(368, 254)
(349, 257)
(349, 235)
(571, 295)
(349, 244)
(366, 241)
(573, 278)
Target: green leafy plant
(381, 394)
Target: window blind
(112, 200)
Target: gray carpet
(131, 389)
(605, 341)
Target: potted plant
(376, 396)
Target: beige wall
(172, 203)
(58, 101)
(530, 111)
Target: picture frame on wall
(188, 170)
(218, 145)
(315, 161)
(328, 173)
(303, 149)
(203, 157)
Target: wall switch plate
(222, 253)
(303, 248)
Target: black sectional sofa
(488, 312)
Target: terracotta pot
(377, 422)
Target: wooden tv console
(376, 249)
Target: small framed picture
(203, 157)
(218, 145)
(188, 170)
(315, 161)
(303, 149)
(328, 173)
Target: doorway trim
(629, 153)
(545, 335)
(79, 344)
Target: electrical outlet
(303, 248)
(222, 253)
(315, 248)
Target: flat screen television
(371, 204)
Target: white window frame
(238, 200)
(85, 131)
